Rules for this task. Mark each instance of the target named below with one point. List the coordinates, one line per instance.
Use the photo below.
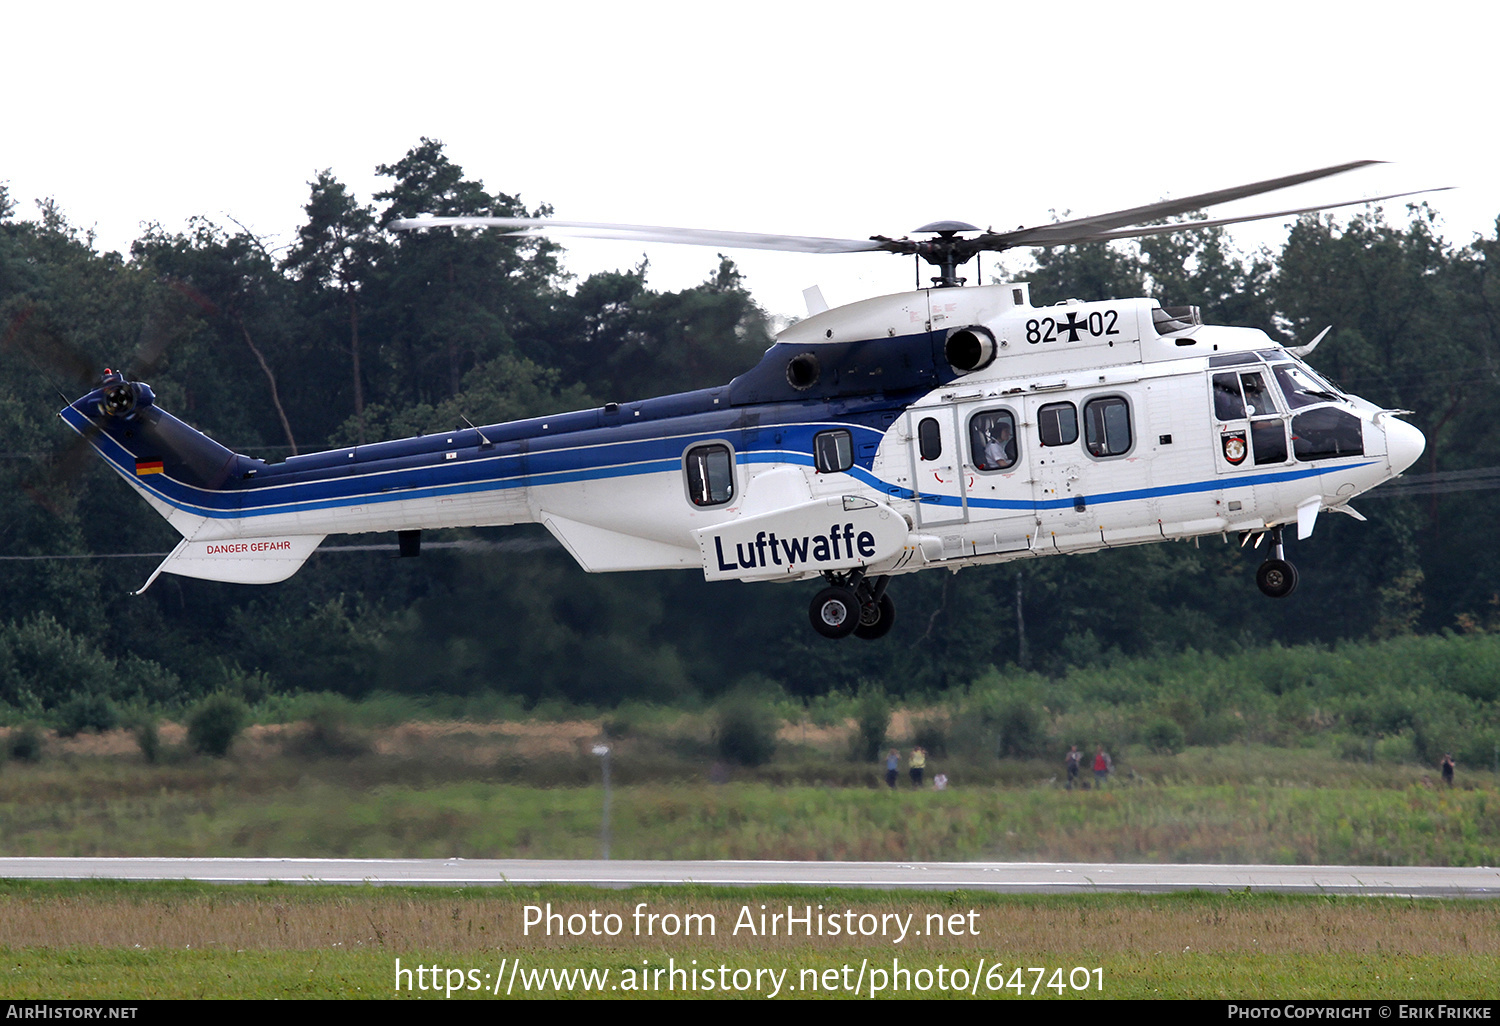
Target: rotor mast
(946, 252)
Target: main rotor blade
(528, 226)
(30, 334)
(1042, 235)
(1182, 226)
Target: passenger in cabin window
(997, 449)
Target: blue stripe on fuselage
(590, 451)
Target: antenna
(487, 443)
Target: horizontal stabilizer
(239, 560)
(598, 549)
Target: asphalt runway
(1011, 877)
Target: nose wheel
(1276, 578)
(855, 606)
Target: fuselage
(938, 428)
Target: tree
(233, 282)
(334, 256)
(1202, 268)
(452, 298)
(625, 341)
(1090, 272)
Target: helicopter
(941, 428)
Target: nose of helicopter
(1404, 444)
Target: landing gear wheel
(875, 619)
(834, 612)
(1276, 578)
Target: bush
(1395, 749)
(931, 733)
(1019, 727)
(329, 734)
(87, 712)
(1164, 736)
(25, 744)
(148, 740)
(746, 732)
(215, 723)
(872, 720)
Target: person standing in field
(1103, 764)
(892, 763)
(1446, 766)
(1073, 761)
(918, 764)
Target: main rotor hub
(947, 251)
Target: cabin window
(1106, 426)
(992, 440)
(833, 451)
(1058, 424)
(710, 474)
(1326, 434)
(929, 439)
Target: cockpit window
(1302, 387)
(1258, 401)
(1227, 402)
(1326, 434)
(1232, 359)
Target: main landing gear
(853, 604)
(1276, 577)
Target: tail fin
(192, 481)
(181, 472)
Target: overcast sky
(837, 119)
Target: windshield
(1302, 387)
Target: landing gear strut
(853, 604)
(1276, 577)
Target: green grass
(212, 809)
(185, 940)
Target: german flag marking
(144, 467)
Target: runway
(1010, 877)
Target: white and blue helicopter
(935, 429)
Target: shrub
(25, 743)
(329, 734)
(1395, 749)
(1019, 727)
(872, 720)
(1164, 736)
(931, 733)
(87, 712)
(148, 740)
(746, 732)
(215, 723)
